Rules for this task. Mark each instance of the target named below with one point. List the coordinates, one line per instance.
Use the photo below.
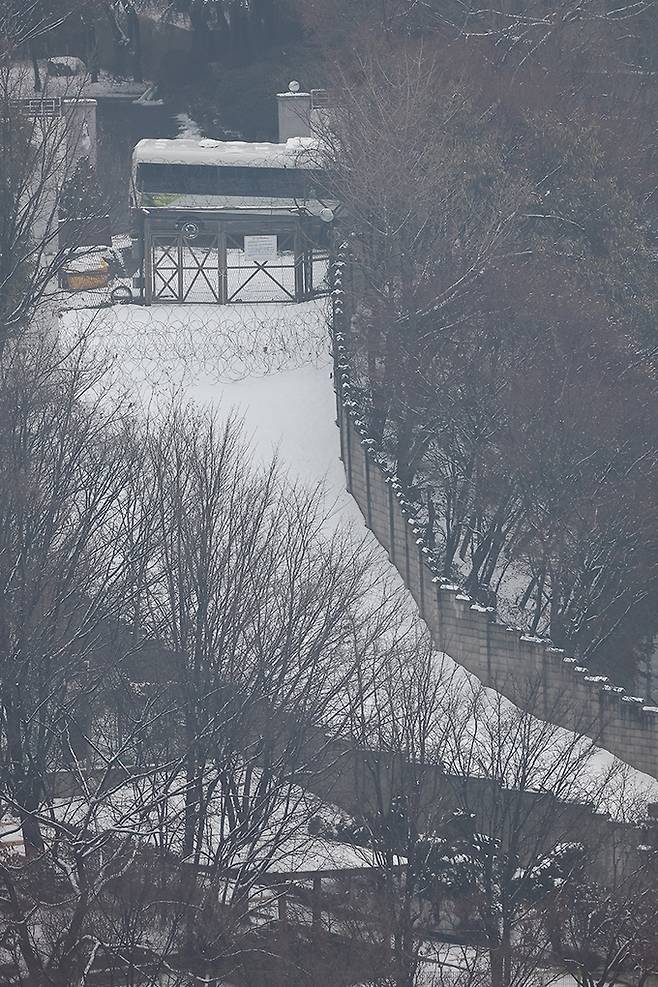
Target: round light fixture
(293, 86)
(326, 215)
(190, 230)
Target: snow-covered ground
(271, 362)
(442, 964)
(195, 351)
(76, 85)
(152, 810)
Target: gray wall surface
(501, 657)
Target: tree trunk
(189, 834)
(136, 39)
(21, 784)
(35, 68)
(92, 51)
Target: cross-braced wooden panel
(272, 278)
(201, 269)
(165, 268)
(202, 261)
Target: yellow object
(98, 277)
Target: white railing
(46, 109)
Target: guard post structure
(231, 221)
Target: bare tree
(603, 926)
(64, 559)
(485, 821)
(179, 637)
(406, 163)
(479, 307)
(39, 150)
(267, 618)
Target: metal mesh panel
(266, 280)
(271, 275)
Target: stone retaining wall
(501, 657)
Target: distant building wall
(294, 115)
(502, 657)
(68, 130)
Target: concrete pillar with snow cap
(294, 113)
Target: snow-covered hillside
(269, 361)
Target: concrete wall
(501, 657)
(67, 139)
(293, 115)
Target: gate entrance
(217, 261)
(185, 270)
(263, 267)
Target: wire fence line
(176, 345)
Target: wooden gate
(211, 261)
(186, 268)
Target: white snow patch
(169, 350)
(221, 357)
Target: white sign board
(260, 247)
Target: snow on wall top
(295, 153)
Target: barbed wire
(167, 346)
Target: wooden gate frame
(167, 225)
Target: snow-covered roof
(303, 854)
(297, 152)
